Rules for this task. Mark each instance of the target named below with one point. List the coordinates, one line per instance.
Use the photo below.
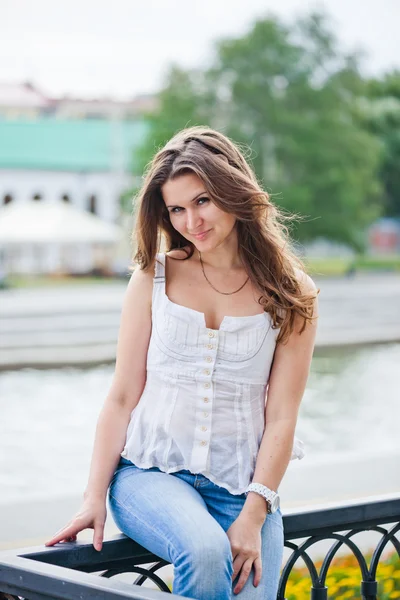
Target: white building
(83, 162)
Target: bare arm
(287, 383)
(126, 388)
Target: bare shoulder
(141, 284)
(307, 285)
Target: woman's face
(194, 215)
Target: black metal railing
(75, 570)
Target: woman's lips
(201, 236)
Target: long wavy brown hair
(264, 245)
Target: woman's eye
(178, 209)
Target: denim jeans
(183, 519)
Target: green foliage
(381, 116)
(290, 95)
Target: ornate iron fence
(76, 570)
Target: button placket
(203, 422)
(203, 418)
(205, 396)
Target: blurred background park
(88, 93)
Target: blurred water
(48, 417)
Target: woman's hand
(245, 538)
(91, 515)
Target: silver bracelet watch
(272, 498)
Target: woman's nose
(193, 220)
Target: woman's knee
(208, 553)
(203, 567)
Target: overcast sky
(122, 48)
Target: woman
(214, 350)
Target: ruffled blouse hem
(183, 467)
(298, 452)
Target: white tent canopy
(44, 222)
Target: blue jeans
(182, 518)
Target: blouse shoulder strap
(159, 269)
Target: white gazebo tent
(48, 237)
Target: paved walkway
(78, 325)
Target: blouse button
(206, 400)
(204, 428)
(205, 414)
(210, 334)
(208, 359)
(206, 372)
(203, 443)
(210, 346)
(206, 385)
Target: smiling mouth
(200, 235)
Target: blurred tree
(381, 116)
(287, 93)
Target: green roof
(69, 145)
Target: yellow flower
(388, 586)
(396, 574)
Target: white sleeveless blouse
(202, 407)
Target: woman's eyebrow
(201, 194)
